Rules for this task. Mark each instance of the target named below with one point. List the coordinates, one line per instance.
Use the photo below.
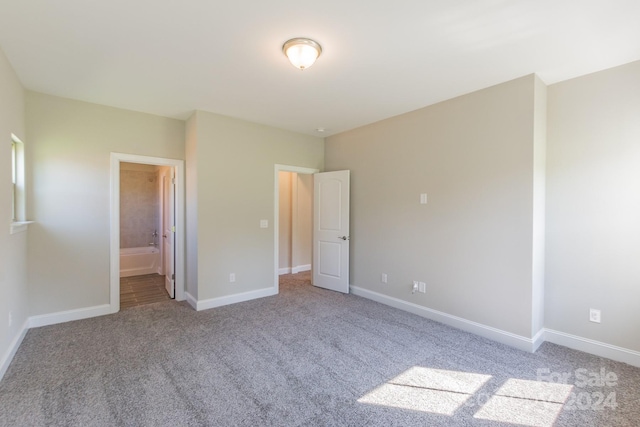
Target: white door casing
(168, 232)
(276, 203)
(331, 231)
(114, 240)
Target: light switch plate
(264, 223)
(423, 198)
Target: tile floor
(140, 290)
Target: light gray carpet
(306, 357)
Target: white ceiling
(380, 57)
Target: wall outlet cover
(422, 287)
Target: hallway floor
(140, 290)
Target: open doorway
(293, 223)
(147, 215)
(147, 223)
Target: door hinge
(173, 180)
(173, 228)
(173, 277)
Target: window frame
(18, 196)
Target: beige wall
(296, 220)
(191, 196)
(13, 248)
(539, 200)
(235, 162)
(68, 153)
(593, 206)
(473, 242)
(285, 215)
(303, 237)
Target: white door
(331, 231)
(169, 232)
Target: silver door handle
(343, 237)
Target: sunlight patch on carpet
(527, 403)
(427, 390)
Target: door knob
(343, 237)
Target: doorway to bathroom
(147, 213)
(147, 219)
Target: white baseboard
(508, 338)
(538, 339)
(191, 300)
(13, 348)
(69, 315)
(300, 269)
(235, 298)
(294, 270)
(597, 348)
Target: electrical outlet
(232, 277)
(594, 315)
(383, 277)
(422, 287)
(415, 287)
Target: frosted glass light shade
(302, 53)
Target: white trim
(235, 298)
(68, 315)
(276, 215)
(590, 346)
(114, 282)
(13, 348)
(504, 337)
(301, 268)
(191, 300)
(294, 270)
(538, 340)
(19, 226)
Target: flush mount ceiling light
(302, 53)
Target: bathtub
(139, 261)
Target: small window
(17, 179)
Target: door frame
(276, 216)
(114, 274)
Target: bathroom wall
(139, 205)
